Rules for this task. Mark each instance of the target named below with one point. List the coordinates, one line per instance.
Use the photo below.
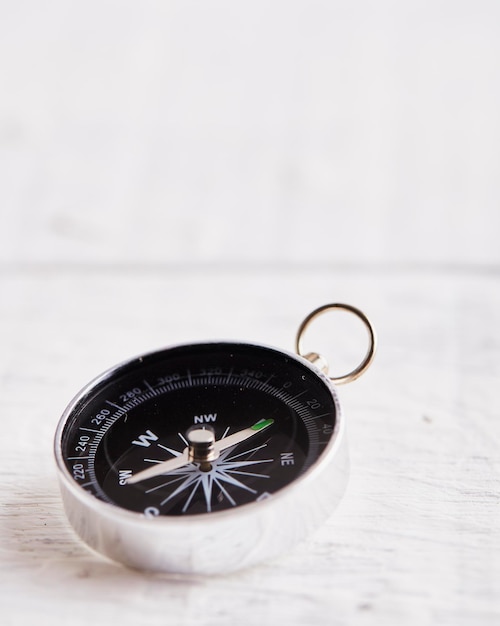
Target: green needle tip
(262, 424)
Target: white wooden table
(185, 171)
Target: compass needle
(164, 467)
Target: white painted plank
(416, 538)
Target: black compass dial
(271, 416)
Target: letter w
(146, 439)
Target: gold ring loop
(372, 345)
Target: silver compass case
(219, 541)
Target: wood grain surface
(416, 537)
(181, 171)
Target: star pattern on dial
(225, 471)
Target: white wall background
(219, 132)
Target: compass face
(270, 413)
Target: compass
(206, 457)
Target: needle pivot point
(202, 448)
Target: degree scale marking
(248, 382)
(194, 381)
